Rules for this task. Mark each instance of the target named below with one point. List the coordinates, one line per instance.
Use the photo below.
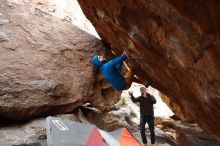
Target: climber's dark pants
(150, 121)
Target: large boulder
(175, 43)
(45, 64)
(192, 135)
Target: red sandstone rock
(175, 43)
(178, 110)
(192, 135)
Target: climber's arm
(117, 61)
(133, 98)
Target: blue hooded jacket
(111, 70)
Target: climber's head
(98, 61)
(101, 58)
(143, 90)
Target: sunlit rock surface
(67, 10)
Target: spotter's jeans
(150, 121)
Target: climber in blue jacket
(111, 71)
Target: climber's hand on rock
(124, 53)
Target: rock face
(45, 64)
(192, 135)
(176, 43)
(30, 132)
(68, 10)
(176, 109)
(111, 120)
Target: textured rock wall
(176, 109)
(68, 10)
(176, 43)
(45, 64)
(193, 135)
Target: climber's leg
(129, 78)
